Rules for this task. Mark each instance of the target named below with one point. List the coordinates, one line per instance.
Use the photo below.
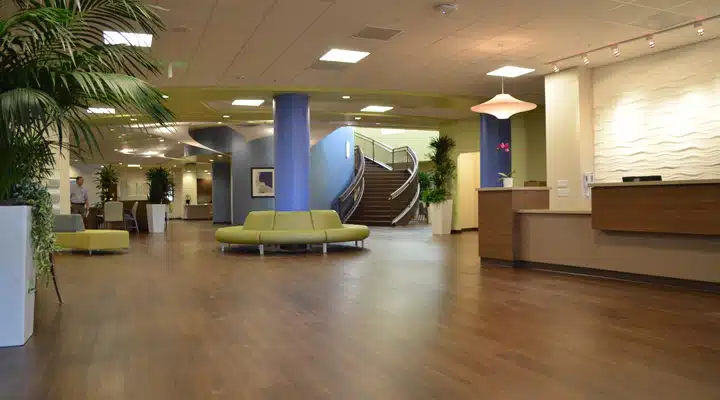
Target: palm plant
(160, 184)
(105, 179)
(55, 66)
(443, 168)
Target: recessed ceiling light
(120, 163)
(346, 97)
(162, 140)
(134, 165)
(247, 102)
(344, 56)
(510, 71)
(377, 109)
(112, 129)
(219, 122)
(133, 119)
(226, 116)
(358, 118)
(151, 153)
(128, 38)
(390, 131)
(127, 151)
(165, 96)
(100, 110)
(219, 155)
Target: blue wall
(221, 193)
(493, 131)
(330, 171)
(258, 153)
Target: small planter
(440, 215)
(156, 217)
(17, 276)
(507, 182)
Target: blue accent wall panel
(330, 170)
(292, 152)
(257, 153)
(493, 131)
(221, 196)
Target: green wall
(418, 140)
(528, 146)
(466, 134)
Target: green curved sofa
(292, 227)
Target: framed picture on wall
(262, 182)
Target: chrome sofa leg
(308, 247)
(324, 248)
(90, 252)
(222, 247)
(262, 250)
(363, 244)
(356, 243)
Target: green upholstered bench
(292, 227)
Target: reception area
(633, 176)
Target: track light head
(555, 68)
(651, 41)
(585, 59)
(615, 51)
(699, 28)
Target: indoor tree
(443, 169)
(160, 185)
(106, 178)
(55, 65)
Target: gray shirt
(78, 194)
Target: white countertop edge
(499, 189)
(658, 183)
(558, 212)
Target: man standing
(79, 202)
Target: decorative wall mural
(659, 115)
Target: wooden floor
(410, 317)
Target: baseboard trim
(678, 283)
(456, 231)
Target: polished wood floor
(411, 317)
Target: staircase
(385, 190)
(376, 208)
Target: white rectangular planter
(440, 215)
(156, 217)
(17, 276)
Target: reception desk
(621, 237)
(198, 212)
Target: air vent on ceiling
(329, 66)
(661, 20)
(375, 33)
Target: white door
(468, 179)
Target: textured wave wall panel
(659, 115)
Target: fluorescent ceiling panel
(134, 165)
(100, 110)
(247, 102)
(151, 153)
(128, 38)
(510, 71)
(344, 56)
(377, 109)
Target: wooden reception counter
(687, 207)
(620, 238)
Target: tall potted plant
(160, 193)
(106, 179)
(438, 196)
(55, 66)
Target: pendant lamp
(503, 106)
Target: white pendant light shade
(503, 106)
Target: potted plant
(507, 179)
(55, 66)
(106, 179)
(441, 206)
(160, 193)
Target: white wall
(189, 186)
(569, 136)
(87, 171)
(659, 115)
(132, 184)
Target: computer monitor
(642, 178)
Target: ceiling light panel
(344, 56)
(510, 71)
(380, 109)
(128, 38)
(248, 102)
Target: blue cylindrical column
(292, 152)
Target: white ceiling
(273, 43)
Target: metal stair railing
(349, 200)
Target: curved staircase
(385, 190)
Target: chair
(113, 212)
(131, 216)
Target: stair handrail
(413, 172)
(412, 204)
(357, 182)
